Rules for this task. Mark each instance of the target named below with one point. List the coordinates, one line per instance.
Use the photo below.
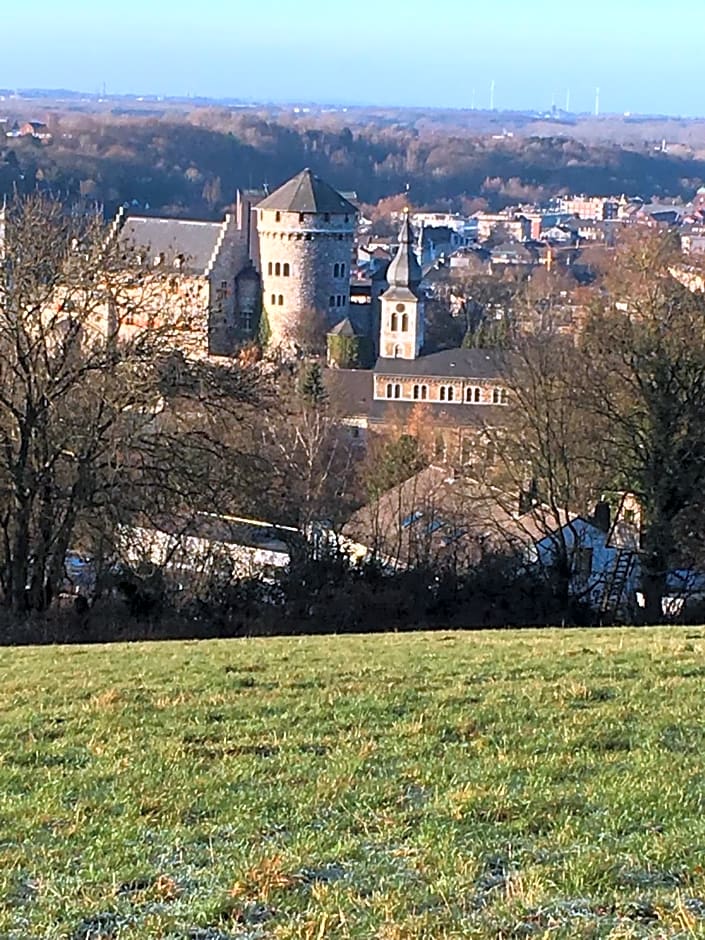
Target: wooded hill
(193, 163)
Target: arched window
(397, 390)
(451, 393)
(424, 392)
(336, 270)
(468, 394)
(442, 393)
(278, 217)
(478, 395)
(331, 300)
(397, 353)
(342, 270)
(270, 268)
(499, 396)
(286, 270)
(274, 299)
(417, 392)
(277, 269)
(405, 322)
(281, 300)
(389, 389)
(394, 323)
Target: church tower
(402, 307)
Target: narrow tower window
(286, 270)
(405, 322)
(277, 269)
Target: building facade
(306, 232)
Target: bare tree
(84, 338)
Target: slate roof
(307, 192)
(344, 328)
(449, 363)
(194, 241)
(404, 272)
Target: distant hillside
(193, 163)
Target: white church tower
(402, 311)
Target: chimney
(601, 516)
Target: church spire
(404, 270)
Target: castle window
(405, 322)
(281, 300)
(397, 390)
(442, 393)
(473, 395)
(302, 217)
(336, 270)
(286, 270)
(417, 392)
(342, 270)
(389, 389)
(274, 299)
(270, 268)
(246, 321)
(331, 301)
(394, 323)
(397, 351)
(277, 269)
(278, 217)
(499, 396)
(451, 393)
(446, 393)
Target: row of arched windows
(448, 393)
(278, 269)
(396, 322)
(339, 269)
(277, 300)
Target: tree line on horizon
(194, 165)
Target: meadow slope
(435, 785)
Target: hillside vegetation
(194, 163)
(514, 784)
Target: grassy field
(516, 784)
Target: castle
(280, 264)
(283, 259)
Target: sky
(646, 56)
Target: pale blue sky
(646, 55)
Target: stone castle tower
(401, 334)
(306, 231)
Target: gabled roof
(344, 328)
(307, 192)
(193, 241)
(449, 363)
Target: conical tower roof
(307, 192)
(404, 270)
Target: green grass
(518, 784)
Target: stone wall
(305, 261)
